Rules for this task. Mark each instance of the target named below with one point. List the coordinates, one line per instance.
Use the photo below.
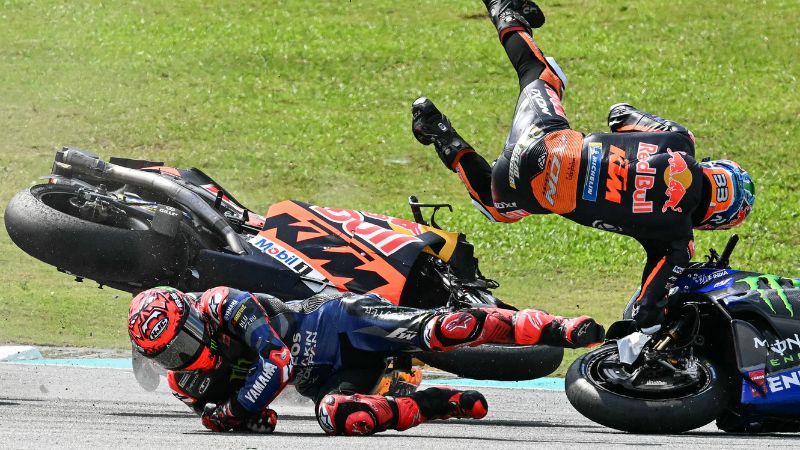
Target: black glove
(220, 418)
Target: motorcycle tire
(497, 361)
(42, 222)
(619, 408)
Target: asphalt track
(49, 406)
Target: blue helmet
(733, 195)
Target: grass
(286, 99)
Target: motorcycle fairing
(354, 250)
(773, 393)
(768, 358)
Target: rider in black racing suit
(236, 351)
(640, 180)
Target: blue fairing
(771, 378)
(705, 280)
(773, 393)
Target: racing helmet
(732, 195)
(165, 327)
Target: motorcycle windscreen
(356, 251)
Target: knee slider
(453, 330)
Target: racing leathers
(640, 180)
(334, 349)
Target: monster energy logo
(774, 283)
(241, 369)
(780, 346)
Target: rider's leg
(516, 36)
(340, 413)
(372, 324)
(476, 326)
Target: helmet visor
(187, 345)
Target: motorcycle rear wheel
(42, 222)
(656, 406)
(497, 361)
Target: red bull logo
(678, 180)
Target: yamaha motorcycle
(728, 351)
(133, 224)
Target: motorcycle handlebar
(89, 165)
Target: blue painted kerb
(549, 384)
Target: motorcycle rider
(640, 180)
(238, 350)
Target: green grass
(286, 99)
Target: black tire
(41, 221)
(669, 412)
(497, 361)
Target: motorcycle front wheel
(599, 386)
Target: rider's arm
(624, 118)
(180, 394)
(241, 316)
(665, 262)
(476, 174)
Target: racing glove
(220, 418)
(263, 422)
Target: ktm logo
(617, 180)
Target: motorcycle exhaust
(74, 160)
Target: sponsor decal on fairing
(287, 258)
(352, 222)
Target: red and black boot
(532, 326)
(360, 415)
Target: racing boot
(514, 15)
(430, 126)
(532, 326)
(623, 117)
(368, 414)
(442, 403)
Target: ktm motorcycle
(132, 224)
(728, 351)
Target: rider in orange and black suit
(640, 180)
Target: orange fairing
(556, 187)
(314, 225)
